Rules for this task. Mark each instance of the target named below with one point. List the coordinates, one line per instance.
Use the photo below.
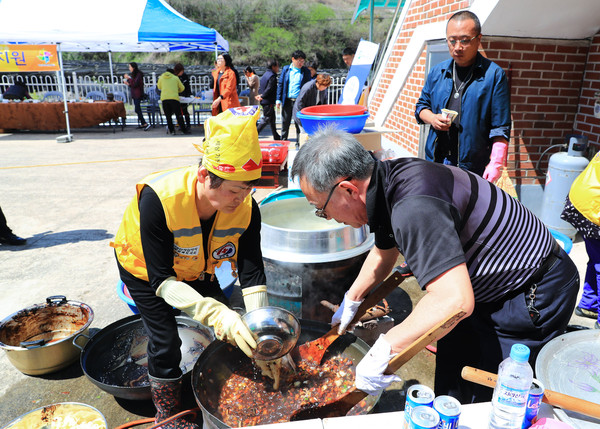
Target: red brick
(545, 48)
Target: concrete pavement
(68, 200)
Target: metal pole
(111, 70)
(67, 138)
(372, 12)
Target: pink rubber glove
(497, 159)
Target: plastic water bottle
(512, 388)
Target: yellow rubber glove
(255, 297)
(227, 324)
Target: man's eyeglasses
(463, 42)
(321, 212)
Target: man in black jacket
(267, 94)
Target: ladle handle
(556, 399)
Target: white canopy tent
(109, 25)
(106, 26)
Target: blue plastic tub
(565, 242)
(223, 273)
(121, 291)
(353, 124)
(282, 195)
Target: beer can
(424, 417)
(416, 395)
(449, 410)
(536, 393)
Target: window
(437, 51)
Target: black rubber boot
(166, 395)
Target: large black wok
(115, 358)
(220, 360)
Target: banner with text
(28, 58)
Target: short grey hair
(329, 154)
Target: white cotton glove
(497, 160)
(345, 314)
(227, 324)
(370, 377)
(255, 297)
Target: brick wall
(545, 78)
(402, 117)
(546, 83)
(585, 122)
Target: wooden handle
(423, 341)
(387, 287)
(556, 399)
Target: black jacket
(185, 80)
(268, 87)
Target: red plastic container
(335, 110)
(274, 151)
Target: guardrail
(79, 85)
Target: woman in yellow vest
(178, 228)
(582, 210)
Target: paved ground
(67, 200)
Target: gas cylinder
(563, 169)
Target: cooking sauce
(248, 398)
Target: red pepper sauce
(248, 398)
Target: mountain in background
(262, 29)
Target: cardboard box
(370, 136)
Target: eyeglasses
(321, 212)
(463, 42)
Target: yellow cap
(231, 149)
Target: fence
(78, 86)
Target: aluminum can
(415, 396)
(449, 410)
(424, 417)
(536, 393)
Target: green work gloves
(227, 324)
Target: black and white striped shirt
(440, 216)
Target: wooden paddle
(314, 350)
(555, 399)
(343, 404)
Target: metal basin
(39, 339)
(220, 360)
(309, 259)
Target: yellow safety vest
(177, 192)
(585, 191)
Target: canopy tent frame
(140, 26)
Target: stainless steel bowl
(275, 330)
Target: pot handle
(77, 337)
(33, 344)
(56, 299)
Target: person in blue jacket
(477, 90)
(292, 79)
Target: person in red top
(225, 94)
(135, 82)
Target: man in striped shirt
(470, 246)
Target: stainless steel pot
(220, 360)
(309, 259)
(39, 339)
(115, 358)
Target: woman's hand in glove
(344, 315)
(227, 323)
(229, 327)
(370, 377)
